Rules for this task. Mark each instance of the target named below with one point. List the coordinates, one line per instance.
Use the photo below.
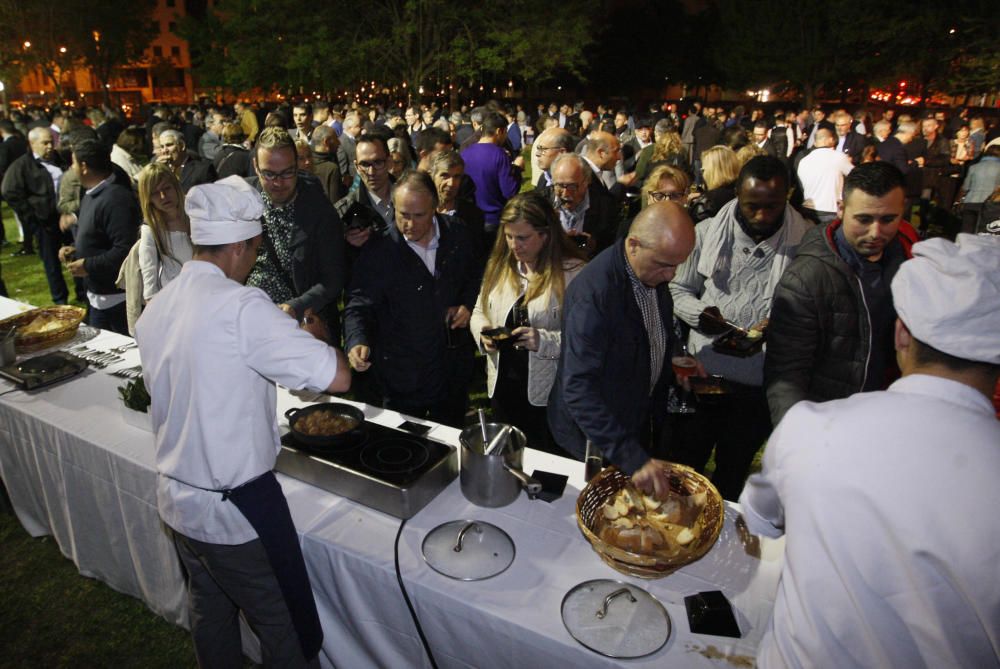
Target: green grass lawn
(24, 275)
(51, 616)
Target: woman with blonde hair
(165, 236)
(720, 167)
(526, 276)
(746, 153)
(666, 182)
(667, 149)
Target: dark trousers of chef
(225, 580)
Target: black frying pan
(333, 442)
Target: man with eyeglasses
(368, 208)
(414, 124)
(586, 210)
(728, 281)
(549, 145)
(301, 263)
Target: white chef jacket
(211, 352)
(889, 504)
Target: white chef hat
(224, 212)
(948, 296)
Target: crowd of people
(408, 239)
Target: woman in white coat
(526, 276)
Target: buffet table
(75, 470)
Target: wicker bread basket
(69, 318)
(683, 480)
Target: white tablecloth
(75, 470)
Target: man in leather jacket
(830, 333)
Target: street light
(27, 44)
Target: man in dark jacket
(893, 149)
(830, 332)
(409, 304)
(190, 168)
(848, 141)
(30, 187)
(233, 159)
(301, 260)
(614, 366)
(12, 146)
(325, 144)
(107, 226)
(368, 208)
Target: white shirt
(428, 254)
(53, 171)
(383, 207)
(888, 501)
(212, 350)
(822, 175)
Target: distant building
(164, 73)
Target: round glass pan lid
(468, 550)
(615, 619)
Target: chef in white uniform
(889, 500)
(212, 350)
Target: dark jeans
(223, 581)
(970, 217)
(735, 426)
(113, 319)
(48, 249)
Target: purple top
(495, 177)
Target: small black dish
(502, 337)
(738, 344)
(711, 613)
(553, 484)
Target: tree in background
(816, 45)
(112, 33)
(56, 35)
(276, 46)
(650, 44)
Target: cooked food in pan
(325, 423)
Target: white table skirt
(75, 470)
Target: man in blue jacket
(614, 368)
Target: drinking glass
(684, 366)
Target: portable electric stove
(393, 471)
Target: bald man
(614, 367)
(30, 186)
(602, 151)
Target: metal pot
(494, 480)
(328, 443)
